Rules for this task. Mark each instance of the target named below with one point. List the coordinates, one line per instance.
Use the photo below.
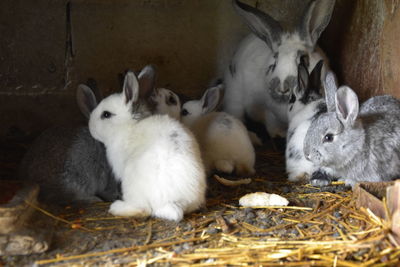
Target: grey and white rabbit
(357, 145)
(68, 164)
(167, 102)
(263, 71)
(155, 157)
(305, 104)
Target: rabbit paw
(225, 166)
(170, 212)
(244, 170)
(298, 177)
(126, 209)
(320, 179)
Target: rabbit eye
(106, 115)
(184, 112)
(328, 138)
(171, 101)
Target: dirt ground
(321, 227)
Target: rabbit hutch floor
(320, 227)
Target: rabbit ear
(330, 91)
(346, 105)
(264, 26)
(147, 78)
(315, 77)
(130, 87)
(315, 19)
(211, 99)
(302, 79)
(86, 100)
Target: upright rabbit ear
(302, 79)
(315, 19)
(86, 100)
(264, 26)
(211, 99)
(346, 105)
(130, 87)
(315, 77)
(147, 81)
(330, 91)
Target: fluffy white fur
(246, 90)
(298, 167)
(225, 143)
(223, 139)
(156, 158)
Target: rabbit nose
(289, 83)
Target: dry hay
(319, 227)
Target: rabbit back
(68, 165)
(160, 165)
(223, 137)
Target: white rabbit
(305, 104)
(263, 71)
(223, 139)
(221, 135)
(156, 158)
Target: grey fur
(263, 25)
(232, 69)
(69, 166)
(289, 83)
(315, 19)
(273, 90)
(330, 91)
(294, 153)
(365, 146)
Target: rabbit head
(308, 88)
(167, 102)
(288, 47)
(335, 136)
(118, 109)
(192, 110)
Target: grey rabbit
(68, 164)
(355, 144)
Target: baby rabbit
(167, 102)
(224, 140)
(355, 146)
(305, 104)
(156, 158)
(68, 164)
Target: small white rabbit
(156, 158)
(224, 140)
